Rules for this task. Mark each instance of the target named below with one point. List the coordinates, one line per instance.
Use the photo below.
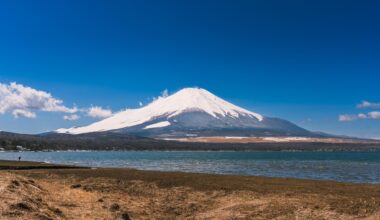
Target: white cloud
(99, 112)
(347, 117)
(23, 101)
(371, 115)
(374, 115)
(17, 113)
(366, 104)
(71, 117)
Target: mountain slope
(191, 112)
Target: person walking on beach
(19, 158)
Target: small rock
(57, 211)
(21, 206)
(15, 183)
(75, 186)
(125, 216)
(114, 207)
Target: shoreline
(335, 174)
(377, 149)
(13, 165)
(111, 193)
(36, 165)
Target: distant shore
(33, 190)
(122, 142)
(164, 145)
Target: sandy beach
(31, 190)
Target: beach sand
(60, 192)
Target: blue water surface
(357, 167)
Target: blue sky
(305, 61)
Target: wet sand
(55, 193)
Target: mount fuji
(192, 112)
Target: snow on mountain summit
(196, 99)
(185, 100)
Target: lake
(356, 167)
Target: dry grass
(122, 193)
(108, 193)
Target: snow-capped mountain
(191, 112)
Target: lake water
(357, 167)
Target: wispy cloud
(164, 94)
(371, 115)
(366, 104)
(363, 105)
(71, 117)
(99, 112)
(24, 101)
(351, 117)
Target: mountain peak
(196, 91)
(198, 99)
(191, 93)
(184, 101)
